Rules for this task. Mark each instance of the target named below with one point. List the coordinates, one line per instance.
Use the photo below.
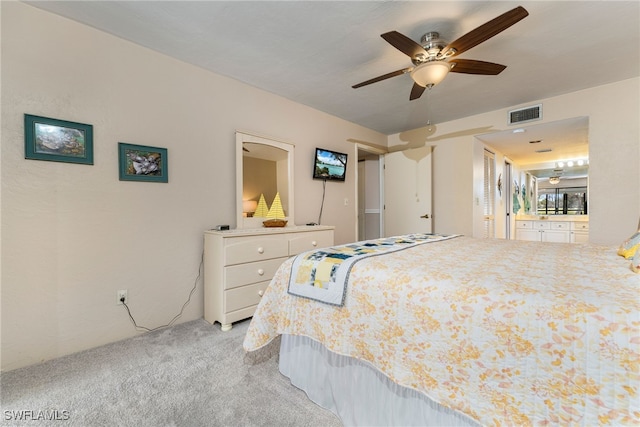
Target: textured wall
(72, 235)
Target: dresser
(239, 264)
(561, 229)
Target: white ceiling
(312, 52)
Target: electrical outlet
(122, 294)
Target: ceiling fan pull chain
(429, 128)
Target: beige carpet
(187, 375)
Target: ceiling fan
(432, 57)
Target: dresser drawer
(309, 241)
(582, 225)
(239, 250)
(524, 225)
(245, 296)
(554, 225)
(541, 225)
(253, 272)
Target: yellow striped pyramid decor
(275, 214)
(261, 210)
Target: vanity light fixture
(573, 162)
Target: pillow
(629, 247)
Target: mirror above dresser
(264, 168)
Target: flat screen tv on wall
(329, 165)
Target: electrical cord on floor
(195, 285)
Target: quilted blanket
(506, 332)
(323, 274)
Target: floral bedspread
(506, 332)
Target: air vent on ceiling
(527, 114)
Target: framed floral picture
(57, 140)
(142, 163)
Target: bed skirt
(356, 392)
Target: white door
(407, 192)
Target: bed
(464, 331)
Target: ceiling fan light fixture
(430, 73)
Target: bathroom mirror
(554, 160)
(264, 167)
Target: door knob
(425, 216)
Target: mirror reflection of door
(259, 177)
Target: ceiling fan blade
(416, 91)
(486, 31)
(383, 77)
(404, 44)
(471, 66)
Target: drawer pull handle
(260, 250)
(260, 292)
(261, 272)
(314, 243)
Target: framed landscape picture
(142, 163)
(57, 140)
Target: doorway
(370, 186)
